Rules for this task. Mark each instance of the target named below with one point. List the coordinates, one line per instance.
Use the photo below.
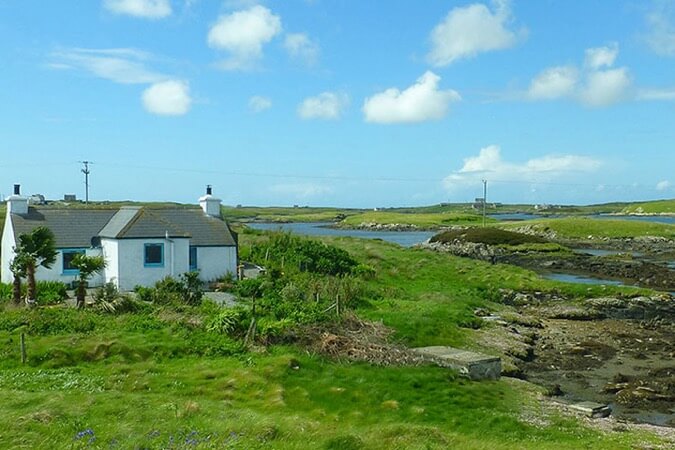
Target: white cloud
(605, 87)
(167, 98)
(488, 164)
(300, 46)
(661, 23)
(243, 34)
(469, 30)
(599, 57)
(418, 103)
(301, 190)
(597, 85)
(258, 103)
(656, 94)
(663, 185)
(121, 65)
(147, 9)
(327, 105)
(552, 83)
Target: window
(154, 255)
(193, 258)
(68, 255)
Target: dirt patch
(358, 340)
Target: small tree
(18, 268)
(87, 266)
(35, 249)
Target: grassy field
(655, 207)
(422, 220)
(159, 378)
(281, 214)
(583, 227)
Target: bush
(47, 292)
(50, 292)
(306, 255)
(108, 299)
(229, 321)
(6, 291)
(185, 290)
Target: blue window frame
(153, 255)
(193, 258)
(67, 255)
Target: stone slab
(473, 365)
(591, 409)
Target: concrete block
(590, 409)
(475, 366)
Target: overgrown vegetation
(47, 292)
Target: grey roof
(72, 228)
(204, 230)
(76, 227)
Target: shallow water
(571, 278)
(402, 238)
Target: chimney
(16, 204)
(210, 204)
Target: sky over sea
(339, 102)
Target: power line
(354, 178)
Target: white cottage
(140, 245)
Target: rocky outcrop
(466, 249)
(636, 308)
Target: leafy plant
(86, 266)
(108, 299)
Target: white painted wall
(7, 251)
(111, 274)
(133, 272)
(214, 262)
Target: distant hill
(653, 207)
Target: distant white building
(140, 245)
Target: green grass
(583, 227)
(281, 214)
(422, 220)
(158, 379)
(654, 207)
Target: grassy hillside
(280, 214)
(583, 227)
(422, 220)
(164, 377)
(655, 207)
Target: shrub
(5, 291)
(47, 292)
(51, 292)
(185, 290)
(229, 321)
(305, 255)
(108, 299)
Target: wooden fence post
(23, 348)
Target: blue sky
(341, 102)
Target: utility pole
(484, 199)
(86, 173)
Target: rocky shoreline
(616, 351)
(625, 268)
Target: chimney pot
(209, 189)
(17, 189)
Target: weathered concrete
(475, 366)
(590, 409)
